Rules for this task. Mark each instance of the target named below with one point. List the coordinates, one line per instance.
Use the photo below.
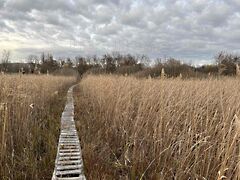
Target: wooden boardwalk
(69, 163)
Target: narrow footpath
(69, 163)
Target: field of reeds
(30, 110)
(159, 128)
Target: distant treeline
(116, 63)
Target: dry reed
(159, 129)
(30, 108)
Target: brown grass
(159, 129)
(30, 109)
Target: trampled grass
(159, 129)
(30, 109)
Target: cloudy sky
(191, 30)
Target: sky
(191, 30)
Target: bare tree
(227, 63)
(33, 59)
(144, 60)
(109, 63)
(158, 62)
(5, 60)
(33, 62)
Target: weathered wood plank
(68, 164)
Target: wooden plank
(69, 167)
(69, 158)
(70, 172)
(70, 154)
(68, 150)
(69, 163)
(73, 178)
(60, 163)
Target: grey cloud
(185, 29)
(103, 14)
(235, 3)
(2, 3)
(15, 15)
(28, 5)
(133, 16)
(109, 29)
(216, 14)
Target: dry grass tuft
(159, 129)
(30, 109)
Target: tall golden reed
(30, 108)
(159, 129)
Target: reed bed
(30, 109)
(159, 128)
